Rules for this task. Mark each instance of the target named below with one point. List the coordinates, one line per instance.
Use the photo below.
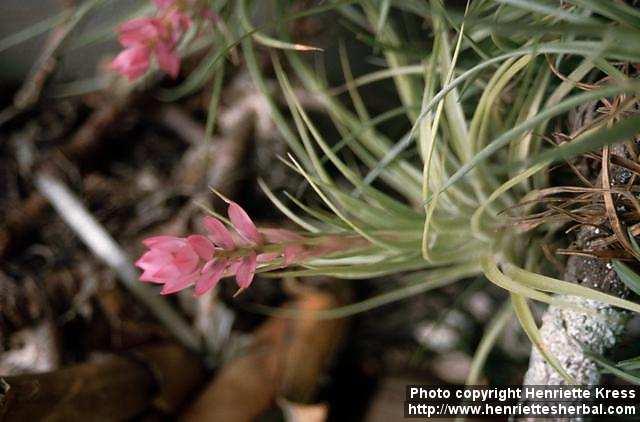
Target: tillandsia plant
(480, 93)
(479, 101)
(475, 147)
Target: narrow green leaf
(201, 74)
(432, 280)
(529, 326)
(591, 141)
(493, 273)
(629, 364)
(553, 285)
(385, 5)
(629, 277)
(616, 11)
(554, 10)
(611, 368)
(286, 210)
(532, 122)
(32, 31)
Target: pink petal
(149, 276)
(202, 246)
(179, 283)
(209, 264)
(171, 245)
(219, 233)
(132, 62)
(155, 240)
(138, 31)
(186, 259)
(168, 60)
(210, 278)
(153, 260)
(168, 272)
(135, 24)
(233, 266)
(243, 223)
(246, 270)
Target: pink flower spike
(218, 233)
(132, 62)
(201, 245)
(168, 60)
(168, 272)
(246, 270)
(243, 223)
(210, 278)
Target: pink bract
(218, 233)
(132, 62)
(243, 223)
(138, 31)
(246, 270)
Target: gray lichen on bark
(567, 332)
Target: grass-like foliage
(479, 99)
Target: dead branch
(83, 145)
(100, 242)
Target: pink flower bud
(158, 35)
(169, 258)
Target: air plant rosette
(432, 206)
